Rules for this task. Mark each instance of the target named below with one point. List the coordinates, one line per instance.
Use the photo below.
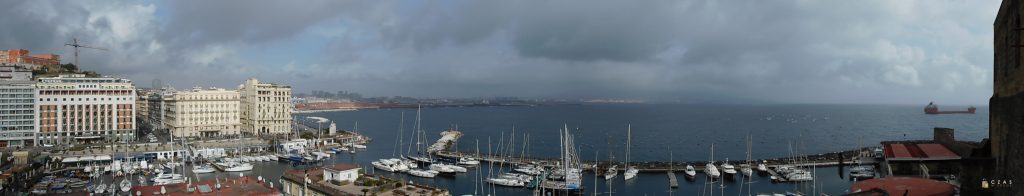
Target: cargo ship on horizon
(934, 109)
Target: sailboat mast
(629, 135)
(418, 130)
(401, 130)
(477, 179)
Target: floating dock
(447, 140)
(672, 182)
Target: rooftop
(342, 167)
(319, 184)
(237, 186)
(905, 185)
(918, 152)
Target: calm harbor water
(687, 131)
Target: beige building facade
(75, 109)
(265, 108)
(202, 113)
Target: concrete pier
(672, 182)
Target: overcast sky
(903, 52)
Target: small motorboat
(690, 172)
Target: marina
(506, 165)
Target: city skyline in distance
(906, 52)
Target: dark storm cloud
(199, 22)
(784, 51)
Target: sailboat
(745, 167)
(419, 142)
(569, 168)
(419, 159)
(612, 170)
(710, 169)
(202, 169)
(165, 178)
(631, 171)
(238, 167)
(506, 182)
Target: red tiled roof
(898, 151)
(937, 151)
(909, 185)
(236, 187)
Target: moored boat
(202, 169)
(690, 172)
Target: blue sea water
(684, 130)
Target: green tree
(69, 67)
(308, 135)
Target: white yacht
(321, 155)
(164, 179)
(690, 172)
(761, 167)
(385, 165)
(468, 161)
(440, 167)
(506, 182)
(530, 170)
(423, 173)
(408, 163)
(457, 168)
(728, 169)
(517, 176)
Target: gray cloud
(778, 51)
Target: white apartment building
(266, 108)
(17, 108)
(75, 109)
(202, 113)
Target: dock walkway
(672, 182)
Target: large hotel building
(72, 108)
(202, 113)
(266, 108)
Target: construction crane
(74, 43)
